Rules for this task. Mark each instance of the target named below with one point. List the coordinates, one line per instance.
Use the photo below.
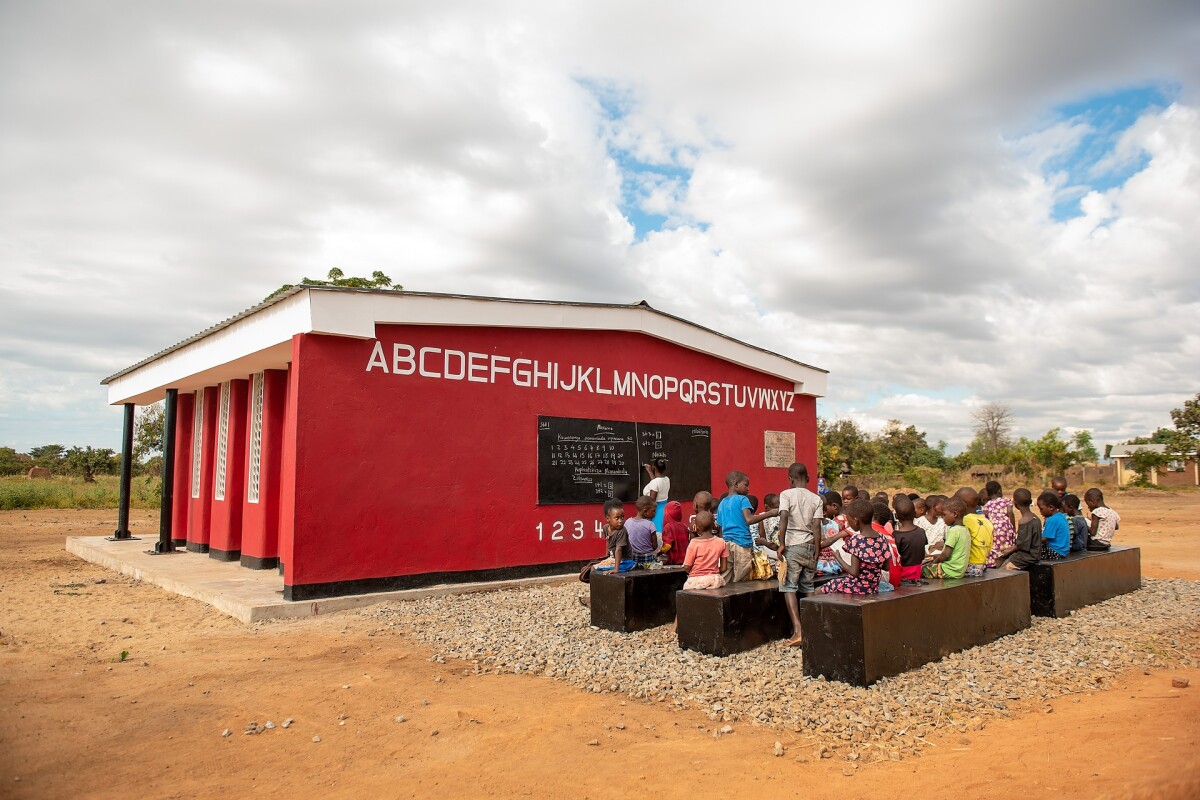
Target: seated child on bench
(1079, 525)
(1105, 521)
(706, 556)
(863, 554)
(616, 539)
(980, 528)
(881, 520)
(1056, 531)
(641, 531)
(768, 532)
(675, 534)
(932, 523)
(910, 540)
(999, 510)
(951, 560)
(1026, 548)
(832, 533)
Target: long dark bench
(734, 618)
(1056, 588)
(635, 600)
(860, 639)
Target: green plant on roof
(338, 278)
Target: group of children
(867, 544)
(958, 536)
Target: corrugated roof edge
(350, 289)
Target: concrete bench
(860, 639)
(734, 618)
(635, 600)
(1056, 588)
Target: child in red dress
(675, 533)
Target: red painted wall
(260, 520)
(181, 497)
(200, 508)
(225, 535)
(401, 475)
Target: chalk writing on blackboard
(590, 461)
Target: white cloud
(868, 187)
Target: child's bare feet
(794, 641)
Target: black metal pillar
(122, 531)
(165, 543)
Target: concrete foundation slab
(245, 594)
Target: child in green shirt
(951, 560)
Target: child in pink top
(706, 556)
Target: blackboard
(593, 460)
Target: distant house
(1178, 472)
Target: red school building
(369, 440)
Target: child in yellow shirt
(980, 528)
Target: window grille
(254, 474)
(197, 440)
(222, 442)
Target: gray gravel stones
(545, 631)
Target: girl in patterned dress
(863, 554)
(835, 530)
(999, 511)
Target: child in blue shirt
(735, 516)
(1056, 532)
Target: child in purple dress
(999, 511)
(863, 554)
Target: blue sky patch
(643, 184)
(1107, 117)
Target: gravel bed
(545, 631)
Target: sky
(944, 204)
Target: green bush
(923, 479)
(23, 493)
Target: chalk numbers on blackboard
(560, 531)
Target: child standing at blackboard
(657, 489)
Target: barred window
(197, 440)
(222, 442)
(254, 474)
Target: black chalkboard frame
(588, 461)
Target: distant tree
(1084, 447)
(1052, 453)
(1185, 439)
(993, 427)
(1160, 436)
(87, 462)
(48, 455)
(12, 462)
(338, 278)
(148, 432)
(842, 441)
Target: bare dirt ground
(75, 721)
